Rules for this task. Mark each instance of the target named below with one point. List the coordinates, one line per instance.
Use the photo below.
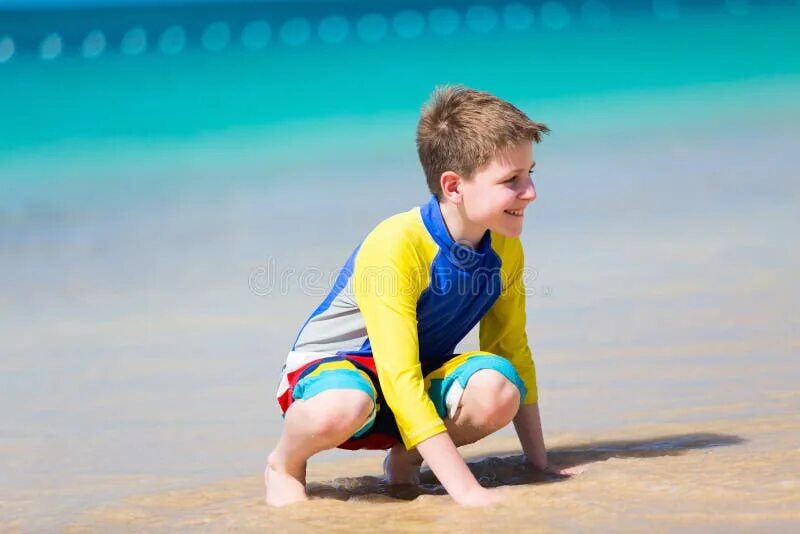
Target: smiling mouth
(514, 213)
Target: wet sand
(727, 474)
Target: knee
(496, 399)
(343, 415)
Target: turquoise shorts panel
(327, 379)
(442, 388)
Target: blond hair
(461, 129)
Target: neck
(460, 229)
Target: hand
(554, 472)
(570, 471)
(480, 496)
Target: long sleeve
(502, 329)
(389, 276)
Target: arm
(502, 329)
(529, 430)
(502, 332)
(441, 455)
(388, 278)
(528, 425)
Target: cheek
(481, 209)
(487, 205)
(503, 199)
(474, 202)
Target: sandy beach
(737, 474)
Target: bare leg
(317, 424)
(489, 403)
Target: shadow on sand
(508, 468)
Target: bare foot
(400, 467)
(282, 488)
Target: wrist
(469, 494)
(464, 489)
(538, 462)
(441, 455)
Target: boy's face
(499, 192)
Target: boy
(373, 367)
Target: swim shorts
(445, 387)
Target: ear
(451, 186)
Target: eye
(510, 180)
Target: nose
(528, 191)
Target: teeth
(516, 213)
